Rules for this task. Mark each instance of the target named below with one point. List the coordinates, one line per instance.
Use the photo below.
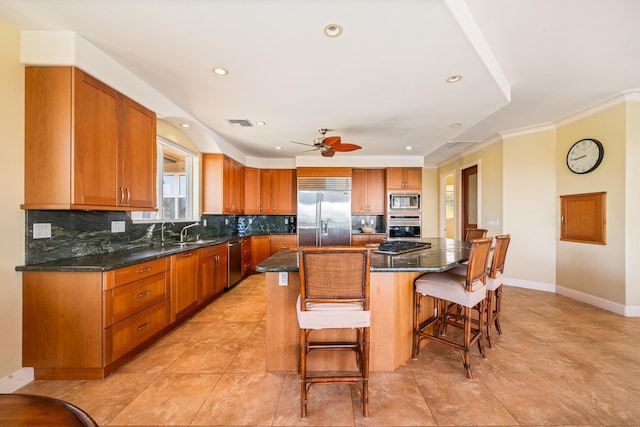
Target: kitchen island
(392, 278)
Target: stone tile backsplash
(78, 233)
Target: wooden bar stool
(475, 233)
(453, 290)
(334, 294)
(34, 410)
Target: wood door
(469, 190)
(376, 193)
(266, 191)
(95, 161)
(184, 297)
(260, 250)
(137, 152)
(252, 191)
(359, 192)
(284, 192)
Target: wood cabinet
(260, 250)
(86, 145)
(252, 203)
(212, 272)
(366, 239)
(404, 179)
(184, 294)
(278, 192)
(246, 256)
(367, 191)
(222, 185)
(83, 325)
(282, 242)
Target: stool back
(477, 269)
(335, 274)
(499, 255)
(475, 233)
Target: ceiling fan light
(332, 30)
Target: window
(176, 167)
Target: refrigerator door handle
(324, 227)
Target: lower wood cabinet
(366, 239)
(260, 249)
(212, 272)
(184, 294)
(283, 242)
(246, 256)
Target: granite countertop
(113, 260)
(443, 255)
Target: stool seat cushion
(333, 315)
(451, 287)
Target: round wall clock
(585, 156)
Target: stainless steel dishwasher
(234, 262)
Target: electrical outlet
(226, 221)
(286, 221)
(250, 221)
(204, 222)
(283, 278)
(362, 221)
(372, 221)
(117, 227)
(41, 231)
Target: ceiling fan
(328, 145)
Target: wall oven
(404, 202)
(404, 227)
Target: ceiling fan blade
(302, 143)
(332, 140)
(346, 147)
(328, 153)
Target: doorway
(449, 203)
(469, 199)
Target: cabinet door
(359, 192)
(95, 141)
(206, 274)
(413, 178)
(221, 272)
(252, 191)
(246, 256)
(404, 178)
(266, 191)
(284, 192)
(212, 178)
(260, 250)
(376, 193)
(183, 284)
(137, 183)
(280, 242)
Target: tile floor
(560, 362)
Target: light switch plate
(283, 278)
(41, 230)
(117, 227)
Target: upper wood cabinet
(270, 191)
(367, 192)
(404, 179)
(222, 185)
(86, 145)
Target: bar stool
(448, 290)
(474, 233)
(494, 285)
(334, 294)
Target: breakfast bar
(392, 277)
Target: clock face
(585, 155)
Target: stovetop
(395, 247)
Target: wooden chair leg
(488, 324)
(466, 358)
(496, 316)
(416, 326)
(482, 312)
(365, 372)
(304, 387)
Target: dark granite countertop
(443, 255)
(119, 259)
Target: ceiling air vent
(243, 123)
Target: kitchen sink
(194, 242)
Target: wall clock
(585, 156)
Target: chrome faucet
(183, 232)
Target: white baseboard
(16, 380)
(527, 284)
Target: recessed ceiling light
(220, 71)
(332, 30)
(185, 125)
(456, 125)
(261, 123)
(454, 79)
(278, 148)
(409, 148)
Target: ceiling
(381, 84)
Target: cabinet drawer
(129, 333)
(213, 250)
(134, 297)
(140, 271)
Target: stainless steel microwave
(404, 202)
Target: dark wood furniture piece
(452, 291)
(334, 294)
(474, 233)
(32, 410)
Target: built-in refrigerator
(324, 211)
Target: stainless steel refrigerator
(324, 211)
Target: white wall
(12, 178)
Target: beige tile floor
(560, 362)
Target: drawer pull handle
(188, 254)
(143, 294)
(146, 325)
(144, 270)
